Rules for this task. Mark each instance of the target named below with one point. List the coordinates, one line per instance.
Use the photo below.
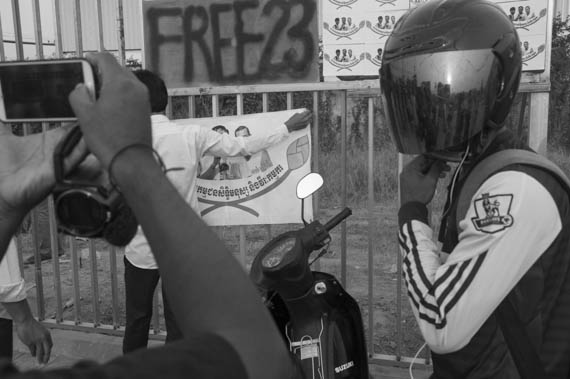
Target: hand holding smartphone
(35, 91)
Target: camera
(92, 209)
(38, 91)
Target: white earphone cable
(414, 359)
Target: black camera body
(89, 210)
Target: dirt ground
(392, 335)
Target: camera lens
(80, 213)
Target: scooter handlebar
(338, 219)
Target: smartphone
(32, 91)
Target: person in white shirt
(181, 147)
(15, 312)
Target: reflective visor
(435, 102)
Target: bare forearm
(19, 311)
(9, 223)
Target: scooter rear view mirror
(308, 185)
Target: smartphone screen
(39, 90)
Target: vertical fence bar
(169, 110)
(191, 106)
(399, 336)
(315, 159)
(343, 153)
(520, 126)
(371, 223)
(2, 52)
(264, 102)
(78, 28)
(315, 150)
(75, 277)
(114, 285)
(37, 257)
(38, 29)
(242, 228)
(57, 29)
(239, 104)
(38, 266)
(265, 108)
(289, 100)
(17, 30)
(54, 239)
(19, 246)
(20, 249)
(94, 283)
(101, 39)
(215, 113)
(215, 105)
(120, 32)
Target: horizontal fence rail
(77, 283)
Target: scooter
(319, 321)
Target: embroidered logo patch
(493, 213)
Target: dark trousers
(5, 338)
(140, 285)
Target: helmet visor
(436, 102)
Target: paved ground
(71, 346)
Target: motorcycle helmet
(450, 68)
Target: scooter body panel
(320, 322)
(325, 331)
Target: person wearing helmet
(450, 71)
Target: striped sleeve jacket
(511, 221)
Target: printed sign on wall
(530, 20)
(258, 189)
(362, 27)
(193, 43)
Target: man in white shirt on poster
(181, 147)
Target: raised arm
(225, 145)
(451, 299)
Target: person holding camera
(494, 300)
(228, 332)
(180, 147)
